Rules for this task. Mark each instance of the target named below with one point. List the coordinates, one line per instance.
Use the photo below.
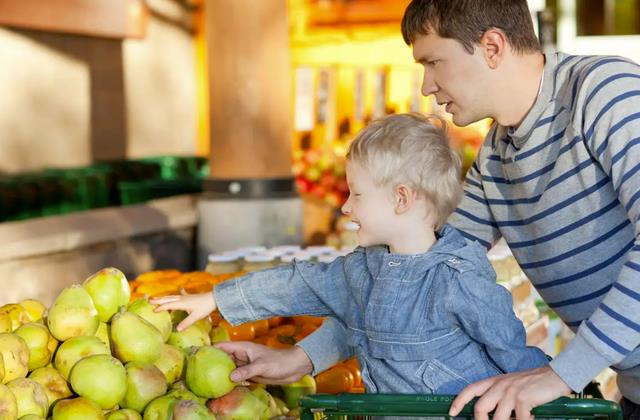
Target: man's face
(456, 78)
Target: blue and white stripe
(563, 189)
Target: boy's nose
(346, 208)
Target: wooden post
(250, 197)
(250, 88)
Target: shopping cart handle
(438, 406)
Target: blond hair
(414, 150)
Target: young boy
(421, 306)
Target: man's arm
(327, 345)
(611, 131)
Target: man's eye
(432, 62)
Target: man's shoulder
(590, 71)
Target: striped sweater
(563, 189)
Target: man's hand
(266, 365)
(520, 391)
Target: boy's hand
(266, 365)
(197, 306)
(520, 391)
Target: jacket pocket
(394, 347)
(441, 379)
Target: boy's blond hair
(412, 149)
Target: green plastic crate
(365, 406)
(177, 167)
(142, 191)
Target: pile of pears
(94, 355)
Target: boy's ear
(404, 198)
(494, 45)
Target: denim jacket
(427, 323)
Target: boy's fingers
(169, 306)
(193, 317)
(164, 299)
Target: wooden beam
(102, 18)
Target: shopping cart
(363, 406)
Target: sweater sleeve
(610, 104)
(327, 345)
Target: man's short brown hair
(467, 20)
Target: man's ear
(403, 198)
(494, 45)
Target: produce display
(277, 332)
(102, 352)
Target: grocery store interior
(186, 142)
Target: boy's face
(370, 206)
(456, 78)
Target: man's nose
(429, 86)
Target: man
(557, 177)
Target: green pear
(240, 403)
(109, 291)
(171, 362)
(192, 336)
(73, 314)
(53, 383)
(218, 335)
(5, 323)
(296, 390)
(161, 320)
(37, 338)
(134, 339)
(16, 314)
(281, 407)
(8, 404)
(15, 355)
(76, 348)
(145, 382)
(160, 409)
(208, 370)
(101, 378)
(204, 324)
(103, 333)
(31, 417)
(191, 410)
(124, 414)
(30, 397)
(268, 400)
(34, 309)
(77, 409)
(180, 392)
